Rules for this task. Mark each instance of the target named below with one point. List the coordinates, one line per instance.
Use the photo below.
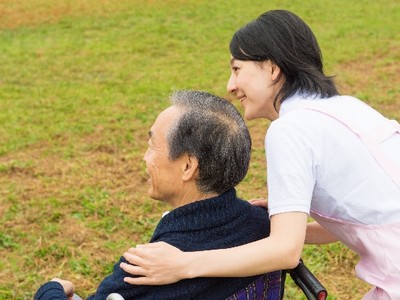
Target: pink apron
(377, 245)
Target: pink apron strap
(371, 139)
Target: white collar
(293, 101)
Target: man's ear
(190, 167)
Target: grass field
(81, 81)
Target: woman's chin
(249, 116)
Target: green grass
(82, 81)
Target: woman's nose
(231, 86)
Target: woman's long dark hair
(283, 38)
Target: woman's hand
(69, 288)
(259, 202)
(155, 263)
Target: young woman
(328, 156)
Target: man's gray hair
(212, 130)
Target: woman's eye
(235, 69)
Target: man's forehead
(164, 121)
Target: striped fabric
(266, 287)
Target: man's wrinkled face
(165, 175)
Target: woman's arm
(160, 263)
(316, 234)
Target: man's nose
(145, 155)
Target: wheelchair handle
(308, 283)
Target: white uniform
(339, 160)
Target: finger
(257, 199)
(56, 279)
(150, 245)
(131, 269)
(133, 258)
(139, 249)
(258, 202)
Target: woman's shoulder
(298, 113)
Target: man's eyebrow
(233, 60)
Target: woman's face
(255, 86)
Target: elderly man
(198, 151)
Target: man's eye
(235, 69)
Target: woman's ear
(275, 71)
(190, 167)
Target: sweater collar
(203, 214)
